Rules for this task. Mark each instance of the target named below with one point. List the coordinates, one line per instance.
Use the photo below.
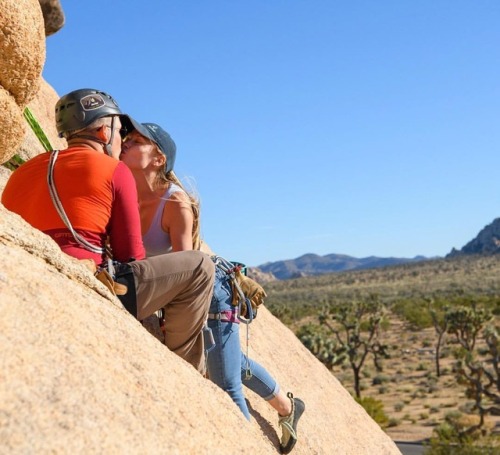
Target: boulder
(78, 374)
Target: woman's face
(138, 152)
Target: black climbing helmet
(80, 108)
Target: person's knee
(206, 264)
(206, 268)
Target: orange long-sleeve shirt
(98, 194)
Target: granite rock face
(80, 375)
(22, 53)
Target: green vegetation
(447, 311)
(401, 290)
(479, 374)
(375, 409)
(355, 330)
(13, 163)
(452, 438)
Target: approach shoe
(289, 424)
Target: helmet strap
(107, 146)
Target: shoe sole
(299, 410)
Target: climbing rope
(37, 129)
(16, 161)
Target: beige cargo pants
(182, 283)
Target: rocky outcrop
(22, 53)
(53, 16)
(258, 275)
(486, 242)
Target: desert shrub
(414, 312)
(467, 407)
(433, 388)
(366, 373)
(426, 343)
(424, 415)
(398, 407)
(380, 379)
(397, 378)
(445, 442)
(483, 351)
(452, 415)
(393, 422)
(375, 409)
(445, 352)
(383, 389)
(452, 438)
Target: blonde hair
(163, 180)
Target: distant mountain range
(485, 243)
(313, 264)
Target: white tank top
(156, 240)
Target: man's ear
(102, 134)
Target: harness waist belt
(225, 316)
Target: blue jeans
(227, 365)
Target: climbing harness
(230, 269)
(225, 316)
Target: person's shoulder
(122, 175)
(122, 167)
(174, 189)
(99, 161)
(176, 193)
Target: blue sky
(320, 126)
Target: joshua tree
(440, 323)
(325, 349)
(356, 329)
(479, 375)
